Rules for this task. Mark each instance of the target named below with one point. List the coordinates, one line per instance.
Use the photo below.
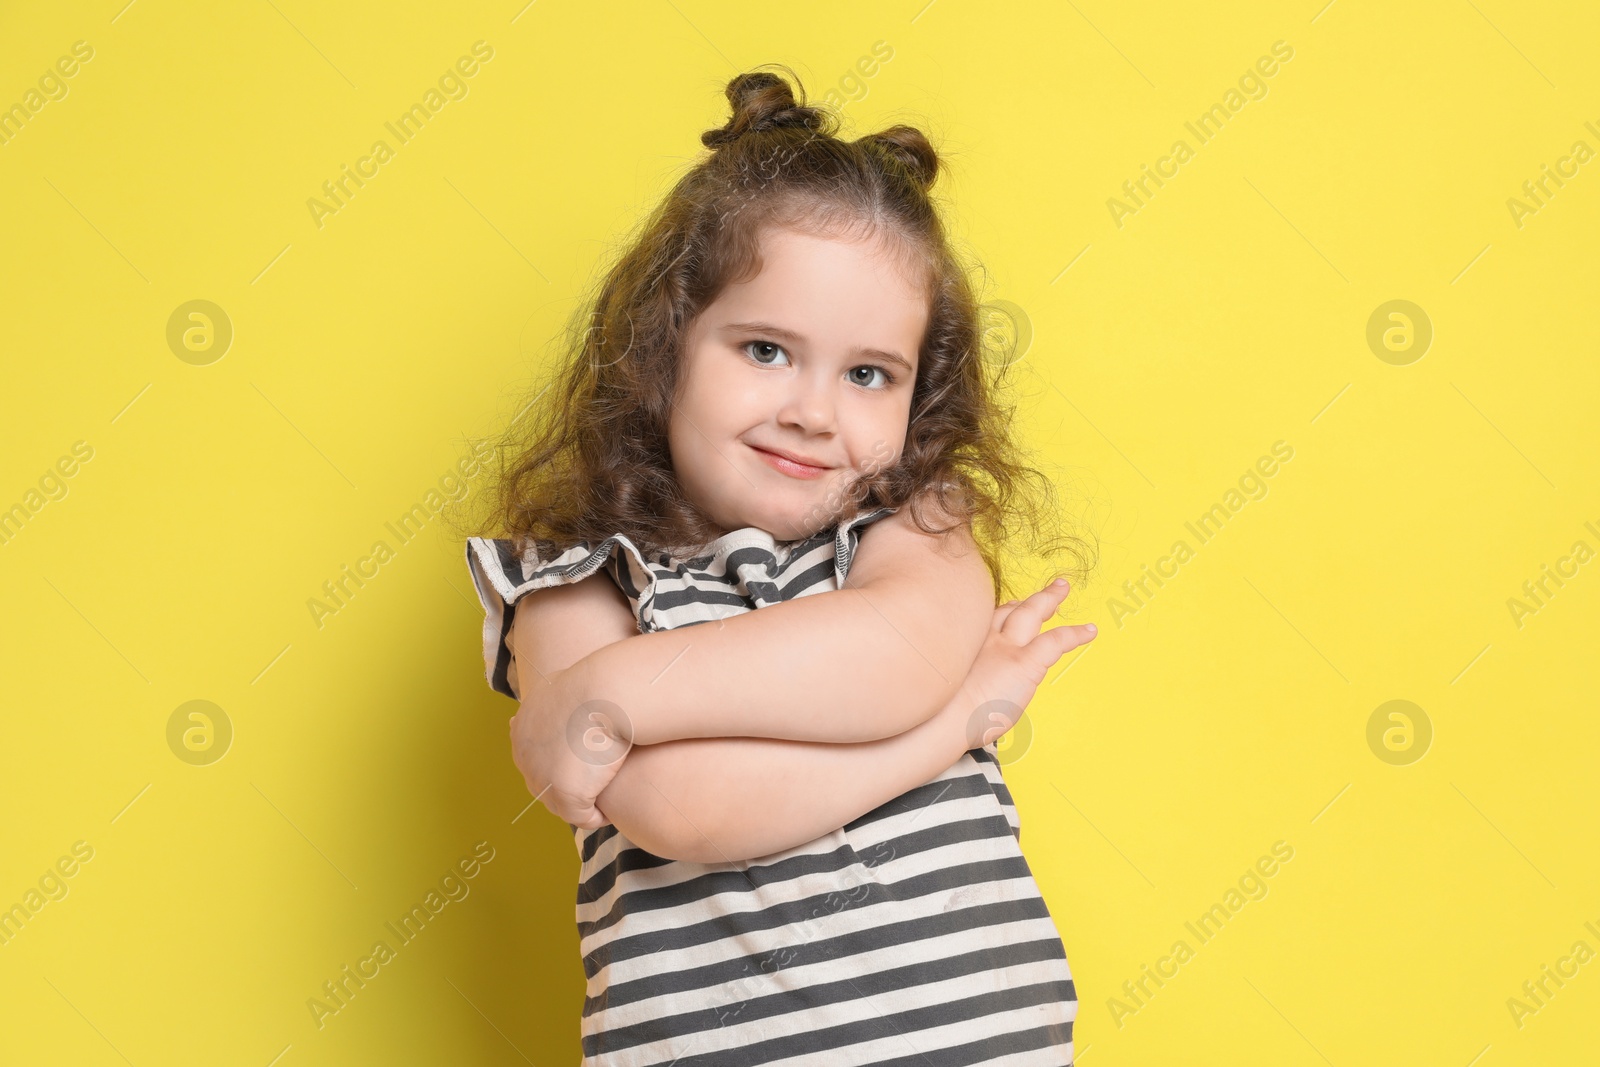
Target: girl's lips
(788, 466)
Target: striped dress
(914, 935)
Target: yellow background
(1230, 312)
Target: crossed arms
(767, 729)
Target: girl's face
(814, 357)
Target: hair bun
(763, 101)
(908, 147)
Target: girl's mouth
(788, 466)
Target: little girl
(796, 844)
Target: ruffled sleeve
(502, 579)
(847, 535)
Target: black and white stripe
(914, 935)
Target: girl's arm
(862, 663)
(734, 799)
(729, 799)
(718, 799)
(725, 800)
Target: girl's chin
(812, 521)
(787, 526)
(787, 517)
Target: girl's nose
(810, 406)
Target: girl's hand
(1013, 661)
(569, 759)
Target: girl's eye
(754, 349)
(759, 345)
(888, 379)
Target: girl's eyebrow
(794, 338)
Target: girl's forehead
(799, 266)
(862, 311)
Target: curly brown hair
(588, 456)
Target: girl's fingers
(1029, 617)
(1001, 613)
(1046, 650)
(1067, 638)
